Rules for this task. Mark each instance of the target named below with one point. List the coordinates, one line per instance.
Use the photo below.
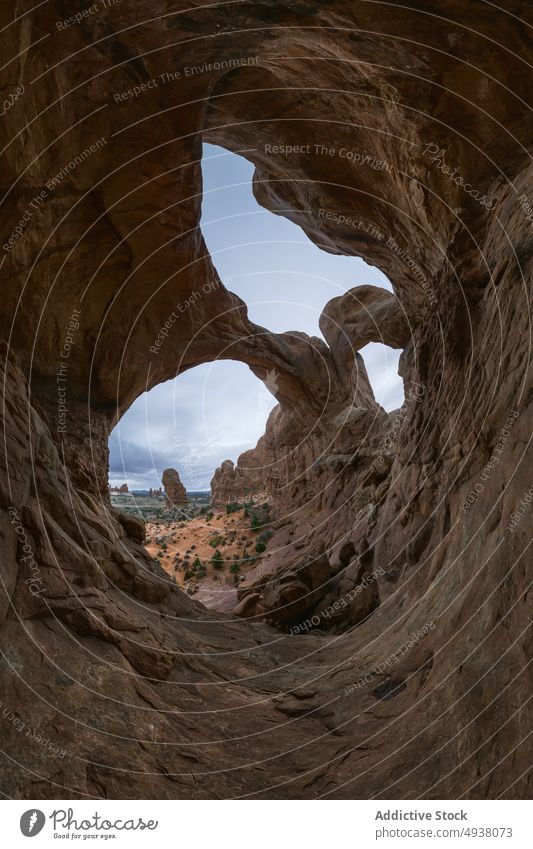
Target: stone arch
(434, 100)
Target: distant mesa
(174, 489)
(119, 490)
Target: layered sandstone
(410, 135)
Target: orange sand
(191, 538)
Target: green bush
(265, 536)
(260, 517)
(260, 547)
(235, 568)
(188, 575)
(197, 564)
(217, 560)
(233, 506)
(217, 540)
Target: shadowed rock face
(411, 132)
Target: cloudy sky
(187, 423)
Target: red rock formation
(174, 490)
(409, 133)
(239, 483)
(119, 490)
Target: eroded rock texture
(412, 130)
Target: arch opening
(283, 277)
(285, 281)
(206, 423)
(208, 414)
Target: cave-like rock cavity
(381, 651)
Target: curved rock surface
(409, 136)
(362, 315)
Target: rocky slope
(400, 137)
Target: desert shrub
(248, 507)
(217, 540)
(235, 568)
(260, 547)
(188, 575)
(260, 517)
(265, 536)
(217, 560)
(233, 506)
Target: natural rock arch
(435, 100)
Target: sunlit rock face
(399, 137)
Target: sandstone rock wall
(420, 688)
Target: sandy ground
(177, 545)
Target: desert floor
(208, 554)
